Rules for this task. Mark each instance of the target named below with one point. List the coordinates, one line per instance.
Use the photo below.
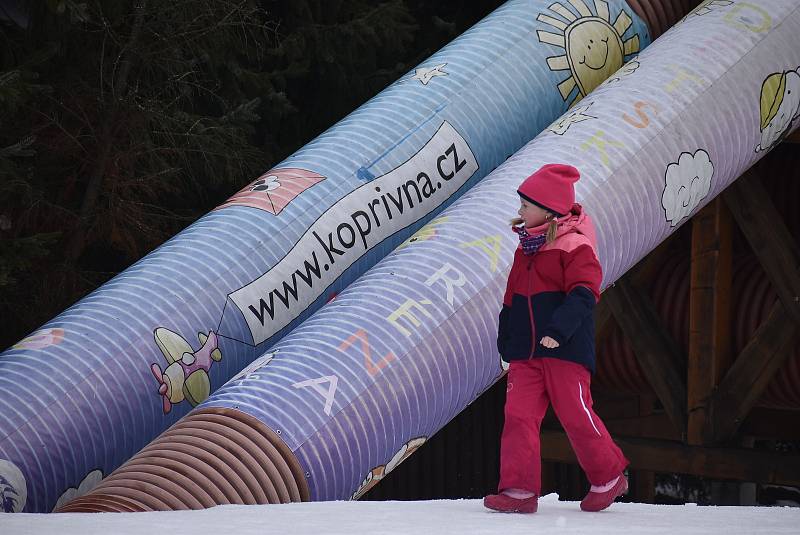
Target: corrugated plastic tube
(365, 381)
(104, 378)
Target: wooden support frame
(749, 376)
(639, 274)
(772, 424)
(767, 351)
(738, 464)
(656, 351)
(760, 423)
(654, 426)
(709, 312)
(769, 238)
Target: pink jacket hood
(577, 221)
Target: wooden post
(709, 311)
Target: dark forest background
(121, 122)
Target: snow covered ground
(415, 518)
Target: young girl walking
(547, 335)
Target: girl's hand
(548, 342)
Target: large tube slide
(366, 380)
(98, 382)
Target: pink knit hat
(551, 188)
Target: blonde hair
(552, 228)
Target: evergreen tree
(122, 121)
(135, 115)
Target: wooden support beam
(655, 426)
(740, 464)
(775, 249)
(657, 354)
(773, 424)
(641, 275)
(769, 238)
(709, 311)
(744, 383)
(761, 423)
(651, 265)
(647, 403)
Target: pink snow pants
(532, 385)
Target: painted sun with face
(594, 48)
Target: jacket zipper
(530, 311)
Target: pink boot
(599, 499)
(506, 504)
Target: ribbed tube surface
(212, 457)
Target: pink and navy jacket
(553, 293)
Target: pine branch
(77, 242)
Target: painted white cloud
(89, 482)
(687, 182)
(788, 111)
(13, 488)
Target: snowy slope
(407, 518)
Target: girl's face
(531, 215)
